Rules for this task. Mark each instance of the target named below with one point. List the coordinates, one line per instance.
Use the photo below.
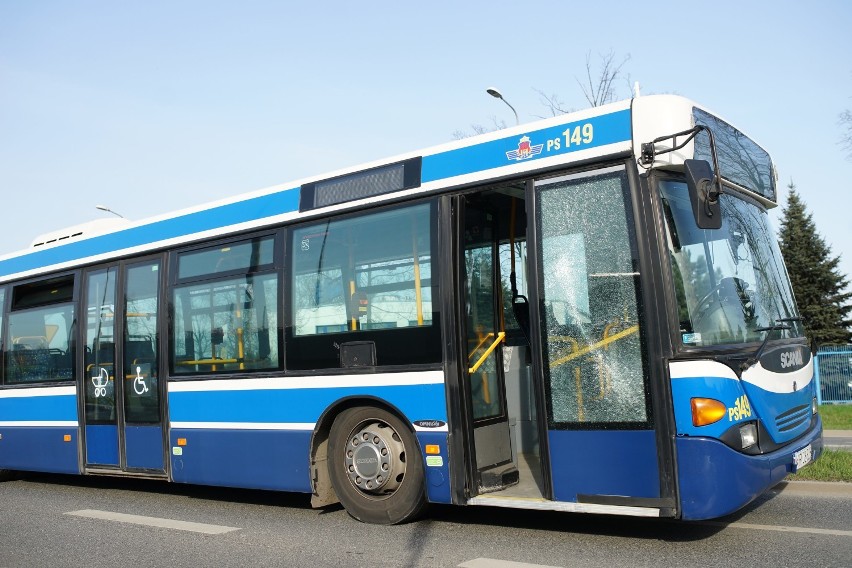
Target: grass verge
(836, 416)
(832, 465)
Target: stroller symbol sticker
(139, 385)
(101, 380)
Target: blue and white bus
(587, 314)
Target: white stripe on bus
(38, 391)
(311, 382)
(39, 423)
(292, 426)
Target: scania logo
(366, 460)
(791, 359)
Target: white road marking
(492, 563)
(778, 528)
(153, 521)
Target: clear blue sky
(152, 106)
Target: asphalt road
(59, 521)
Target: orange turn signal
(707, 411)
(66, 438)
(181, 441)
(433, 449)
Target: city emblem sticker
(525, 150)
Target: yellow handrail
(482, 341)
(492, 347)
(593, 346)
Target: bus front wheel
(375, 466)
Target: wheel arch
(322, 491)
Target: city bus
(587, 313)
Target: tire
(376, 467)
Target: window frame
(8, 312)
(638, 243)
(175, 283)
(432, 357)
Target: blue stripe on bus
(39, 408)
(285, 201)
(40, 448)
(417, 402)
(762, 404)
(606, 129)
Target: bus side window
(368, 278)
(225, 308)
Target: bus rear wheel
(375, 466)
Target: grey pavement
(833, 440)
(837, 439)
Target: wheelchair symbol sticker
(101, 380)
(139, 385)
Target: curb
(821, 488)
(837, 433)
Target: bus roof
(577, 137)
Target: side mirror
(704, 198)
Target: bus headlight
(748, 435)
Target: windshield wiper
(779, 324)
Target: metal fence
(833, 372)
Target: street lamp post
(497, 95)
(108, 210)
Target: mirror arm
(650, 152)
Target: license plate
(802, 458)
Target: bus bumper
(715, 480)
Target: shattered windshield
(729, 282)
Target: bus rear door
(120, 391)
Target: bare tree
(553, 103)
(477, 129)
(846, 138)
(599, 88)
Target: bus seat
(521, 309)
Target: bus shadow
(577, 523)
(667, 530)
(162, 487)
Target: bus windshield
(729, 282)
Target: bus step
(498, 477)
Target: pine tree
(817, 282)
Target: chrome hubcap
(375, 458)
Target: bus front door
(120, 391)
(605, 449)
(482, 346)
